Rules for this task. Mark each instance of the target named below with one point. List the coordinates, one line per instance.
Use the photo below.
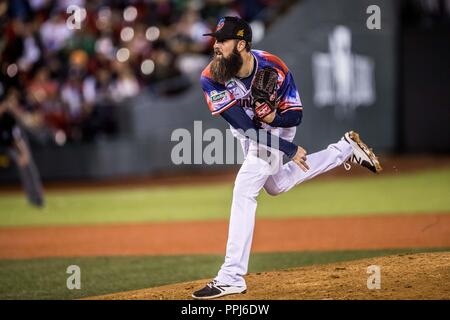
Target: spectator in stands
(54, 32)
(125, 85)
(44, 102)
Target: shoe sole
(217, 296)
(355, 137)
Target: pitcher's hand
(300, 159)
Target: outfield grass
(406, 193)
(46, 278)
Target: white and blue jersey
(220, 97)
(233, 100)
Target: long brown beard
(223, 69)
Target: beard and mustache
(223, 69)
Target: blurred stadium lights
(152, 33)
(123, 54)
(60, 138)
(147, 67)
(127, 34)
(12, 70)
(130, 14)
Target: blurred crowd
(67, 65)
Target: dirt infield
(283, 235)
(415, 276)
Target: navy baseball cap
(232, 28)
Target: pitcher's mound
(403, 276)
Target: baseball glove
(264, 92)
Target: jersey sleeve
(288, 96)
(216, 95)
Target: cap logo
(220, 24)
(240, 33)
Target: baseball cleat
(216, 289)
(362, 154)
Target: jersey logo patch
(218, 97)
(237, 88)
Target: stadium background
(100, 103)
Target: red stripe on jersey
(292, 108)
(272, 58)
(207, 71)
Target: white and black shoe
(215, 289)
(362, 154)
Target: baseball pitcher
(254, 91)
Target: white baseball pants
(255, 174)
